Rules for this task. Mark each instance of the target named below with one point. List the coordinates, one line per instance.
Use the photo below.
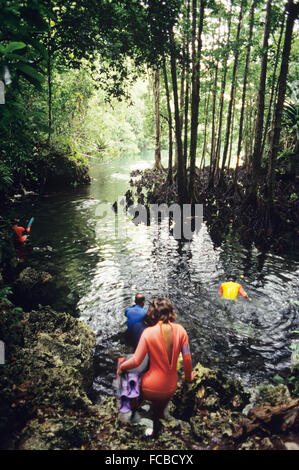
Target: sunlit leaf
(14, 46)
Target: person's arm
(242, 292)
(220, 292)
(137, 358)
(187, 361)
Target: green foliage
(291, 121)
(5, 292)
(10, 324)
(22, 57)
(278, 379)
(43, 42)
(292, 380)
(90, 51)
(6, 177)
(114, 128)
(21, 47)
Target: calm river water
(98, 270)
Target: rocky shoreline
(44, 402)
(46, 374)
(49, 369)
(51, 169)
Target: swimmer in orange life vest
(230, 290)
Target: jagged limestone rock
(30, 277)
(44, 405)
(49, 374)
(32, 287)
(67, 432)
(211, 390)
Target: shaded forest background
(215, 83)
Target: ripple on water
(105, 267)
(232, 335)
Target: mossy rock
(273, 395)
(32, 287)
(30, 277)
(211, 391)
(8, 259)
(112, 434)
(62, 168)
(52, 370)
(62, 433)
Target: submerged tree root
(227, 207)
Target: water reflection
(103, 271)
(245, 339)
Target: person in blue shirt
(135, 316)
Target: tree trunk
(186, 104)
(248, 134)
(231, 134)
(156, 89)
(196, 53)
(278, 54)
(251, 21)
(215, 163)
(257, 156)
(214, 94)
(292, 10)
(49, 73)
(232, 93)
(186, 110)
(213, 137)
(182, 95)
(206, 111)
(181, 174)
(170, 139)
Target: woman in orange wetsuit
(163, 342)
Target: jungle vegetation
(215, 83)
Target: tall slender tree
(216, 157)
(292, 10)
(206, 113)
(233, 90)
(245, 78)
(214, 95)
(156, 89)
(181, 173)
(170, 133)
(187, 90)
(267, 132)
(257, 156)
(196, 54)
